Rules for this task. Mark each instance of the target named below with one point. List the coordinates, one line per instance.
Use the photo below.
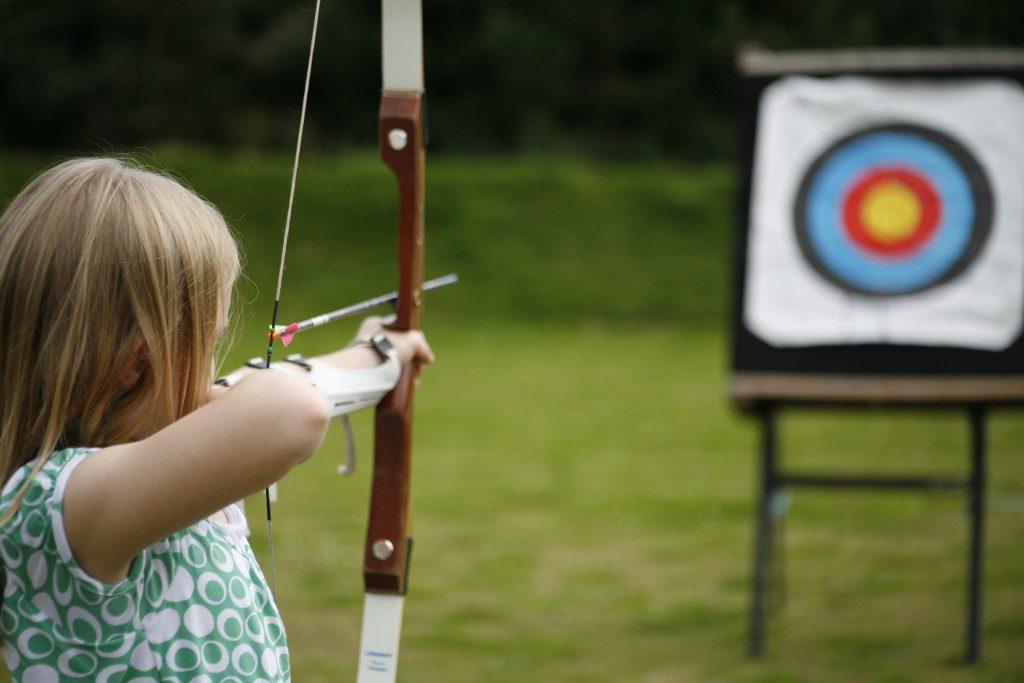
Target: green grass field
(583, 490)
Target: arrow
(286, 332)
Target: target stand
(766, 397)
(879, 264)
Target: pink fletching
(288, 333)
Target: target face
(893, 210)
(886, 211)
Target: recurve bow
(388, 538)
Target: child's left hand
(410, 345)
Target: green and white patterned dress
(195, 607)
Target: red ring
(928, 200)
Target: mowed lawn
(583, 489)
(582, 505)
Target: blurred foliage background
(637, 78)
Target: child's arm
(124, 498)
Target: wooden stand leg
(976, 493)
(763, 533)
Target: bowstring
(280, 267)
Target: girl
(123, 556)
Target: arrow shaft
(362, 306)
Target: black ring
(981, 191)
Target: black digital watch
(382, 345)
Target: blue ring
(963, 220)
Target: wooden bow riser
(389, 518)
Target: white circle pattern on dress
(195, 607)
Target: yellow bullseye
(891, 211)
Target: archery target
(893, 210)
(887, 212)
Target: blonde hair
(104, 264)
